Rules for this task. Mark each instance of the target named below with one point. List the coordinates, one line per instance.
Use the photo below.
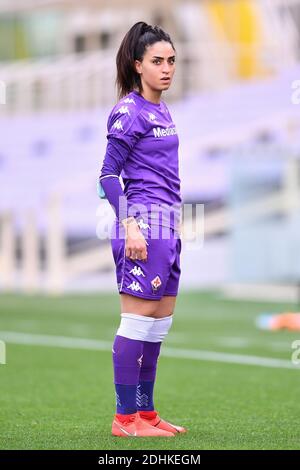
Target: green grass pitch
(55, 397)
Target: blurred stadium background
(236, 104)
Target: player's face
(157, 67)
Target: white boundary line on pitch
(96, 345)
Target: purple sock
(127, 359)
(144, 397)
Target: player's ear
(138, 66)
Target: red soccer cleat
(155, 420)
(134, 426)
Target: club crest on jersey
(156, 283)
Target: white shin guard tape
(143, 328)
(135, 326)
(160, 329)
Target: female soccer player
(143, 146)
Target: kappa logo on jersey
(118, 125)
(159, 132)
(141, 224)
(135, 286)
(152, 116)
(137, 271)
(156, 283)
(124, 110)
(129, 100)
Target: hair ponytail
(133, 48)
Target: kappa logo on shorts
(156, 283)
(137, 271)
(135, 286)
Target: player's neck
(151, 95)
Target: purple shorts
(156, 277)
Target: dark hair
(133, 48)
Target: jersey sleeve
(125, 124)
(124, 131)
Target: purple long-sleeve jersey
(142, 148)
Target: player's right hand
(136, 245)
